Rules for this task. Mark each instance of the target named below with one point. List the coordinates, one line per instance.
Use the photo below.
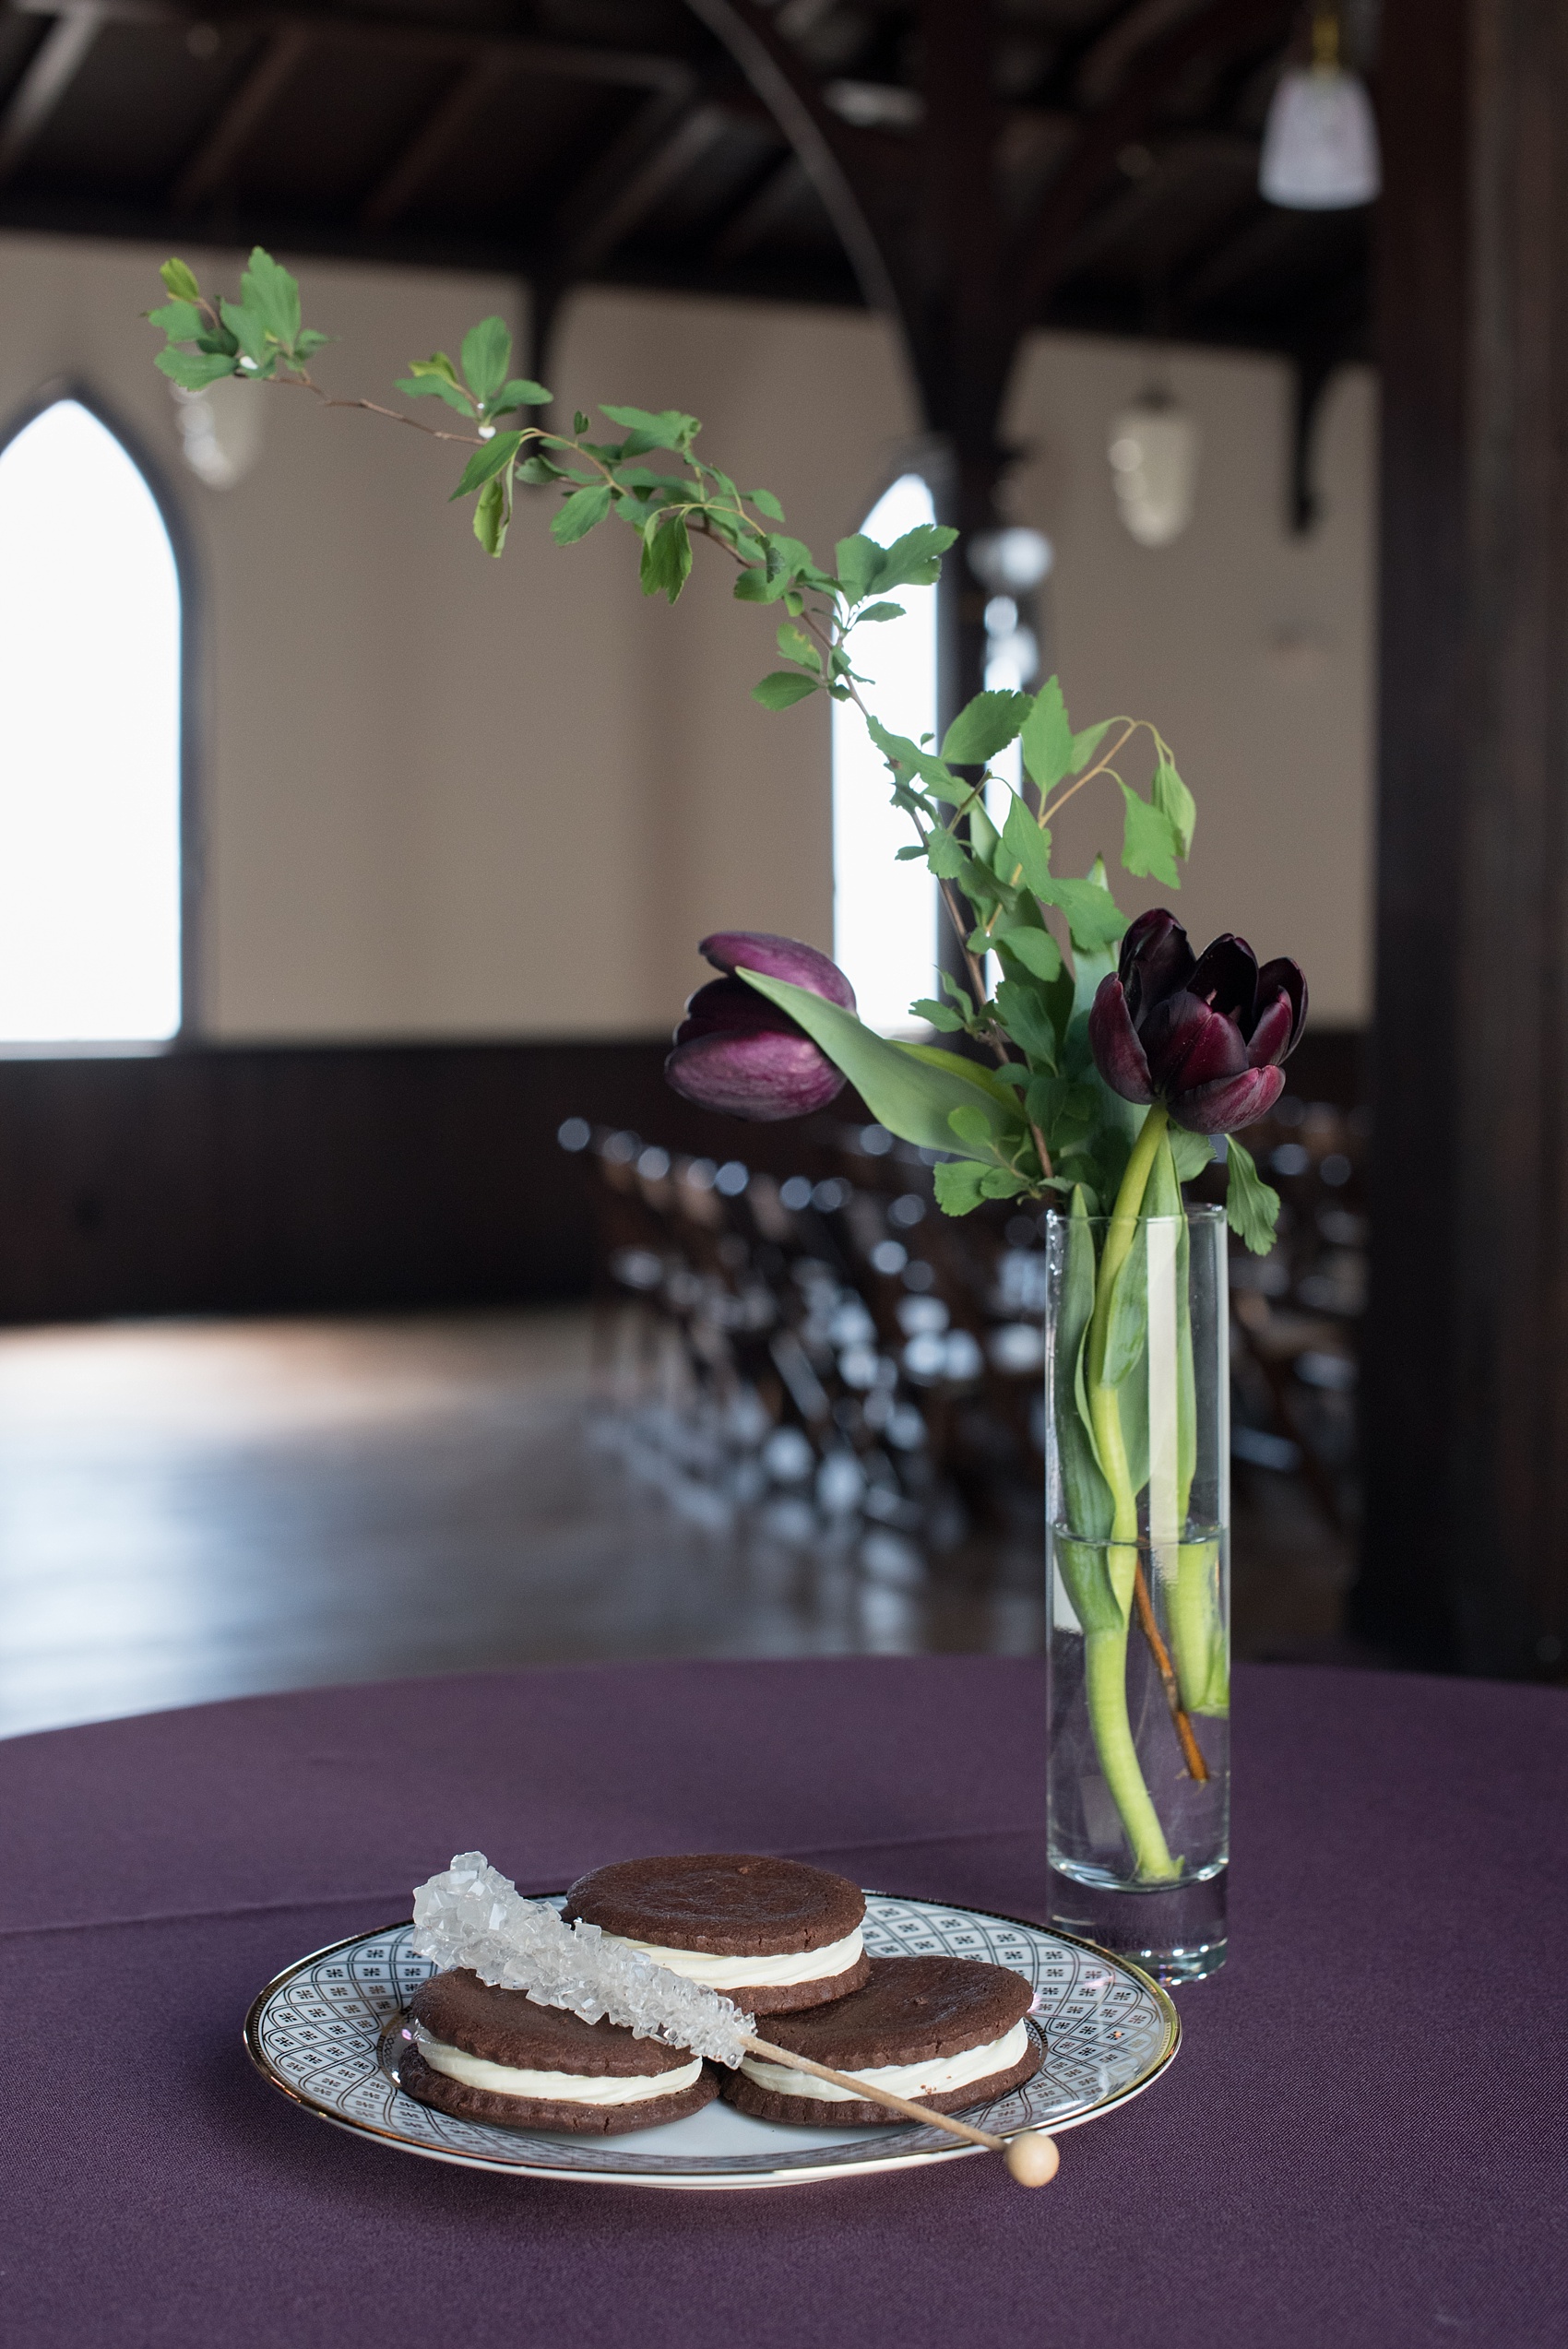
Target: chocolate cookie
(463, 2038)
(773, 1935)
(946, 2031)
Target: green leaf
(956, 1182)
(484, 462)
(1002, 1183)
(1094, 919)
(436, 388)
(520, 391)
(915, 560)
(667, 558)
(972, 1130)
(194, 369)
(490, 517)
(1126, 1334)
(1191, 1153)
(1023, 1013)
(247, 328)
(1086, 744)
(436, 365)
(795, 644)
(668, 429)
(272, 296)
(181, 321)
(783, 687)
(985, 1080)
(1084, 1493)
(983, 726)
(766, 502)
(880, 611)
(857, 561)
(487, 354)
(1029, 848)
(941, 1016)
(1252, 1206)
(1149, 841)
(945, 856)
(1036, 949)
(180, 279)
(580, 424)
(1048, 737)
(754, 586)
(899, 751)
(1175, 802)
(910, 1089)
(581, 512)
(308, 341)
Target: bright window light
(90, 742)
(884, 912)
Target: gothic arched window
(885, 912)
(90, 740)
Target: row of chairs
(831, 1353)
(828, 1352)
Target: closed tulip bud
(737, 1052)
(1205, 1037)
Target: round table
(1362, 2141)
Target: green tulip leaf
(912, 1089)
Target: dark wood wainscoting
(277, 1179)
(265, 1179)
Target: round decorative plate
(320, 2033)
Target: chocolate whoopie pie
(484, 2054)
(946, 2031)
(772, 1934)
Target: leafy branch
(1043, 1121)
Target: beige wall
(444, 796)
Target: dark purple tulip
(1205, 1037)
(736, 1052)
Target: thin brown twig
(1197, 1767)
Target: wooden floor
(196, 1510)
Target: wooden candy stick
(1032, 2158)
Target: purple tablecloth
(1361, 2141)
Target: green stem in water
(1197, 1638)
(1105, 1678)
(1105, 1652)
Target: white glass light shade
(219, 430)
(1154, 464)
(1320, 151)
(1012, 561)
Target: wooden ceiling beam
(1217, 30)
(668, 137)
(50, 72)
(240, 121)
(434, 141)
(761, 212)
(786, 87)
(571, 60)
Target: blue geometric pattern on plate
(316, 2033)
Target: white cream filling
(750, 1973)
(932, 2078)
(560, 2087)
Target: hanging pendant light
(1153, 448)
(1320, 151)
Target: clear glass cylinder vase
(1138, 1585)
